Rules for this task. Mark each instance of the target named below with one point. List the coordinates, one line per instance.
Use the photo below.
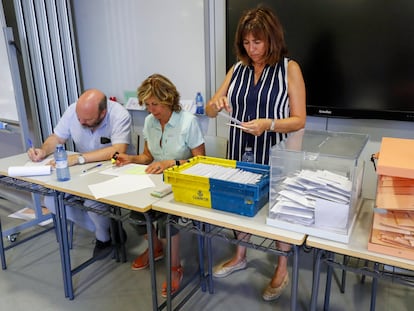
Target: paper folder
(396, 157)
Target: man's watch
(81, 159)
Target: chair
(216, 146)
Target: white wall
(122, 42)
(8, 105)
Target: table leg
(63, 246)
(3, 257)
(374, 287)
(316, 278)
(209, 260)
(329, 273)
(121, 236)
(343, 280)
(168, 265)
(148, 219)
(201, 243)
(295, 267)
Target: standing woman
(266, 91)
(171, 137)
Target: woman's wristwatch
(272, 126)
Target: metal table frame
(206, 233)
(119, 253)
(356, 265)
(37, 190)
(355, 257)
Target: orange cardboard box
(396, 157)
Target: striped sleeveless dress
(267, 99)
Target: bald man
(99, 128)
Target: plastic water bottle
(199, 103)
(248, 155)
(61, 159)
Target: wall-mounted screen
(357, 57)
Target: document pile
(223, 173)
(316, 197)
(394, 228)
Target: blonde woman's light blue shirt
(181, 134)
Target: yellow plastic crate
(234, 197)
(190, 188)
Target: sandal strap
(178, 269)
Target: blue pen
(91, 168)
(30, 143)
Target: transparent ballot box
(315, 183)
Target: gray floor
(33, 279)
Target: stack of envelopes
(307, 191)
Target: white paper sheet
(20, 171)
(121, 184)
(331, 214)
(129, 169)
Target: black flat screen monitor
(357, 57)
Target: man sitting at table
(99, 128)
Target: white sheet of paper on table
(120, 185)
(21, 171)
(129, 169)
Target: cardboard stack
(393, 224)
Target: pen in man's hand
(30, 143)
(92, 167)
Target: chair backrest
(216, 146)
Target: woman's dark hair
(263, 24)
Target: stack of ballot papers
(318, 197)
(223, 173)
(395, 193)
(393, 233)
(392, 230)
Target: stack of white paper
(224, 173)
(304, 198)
